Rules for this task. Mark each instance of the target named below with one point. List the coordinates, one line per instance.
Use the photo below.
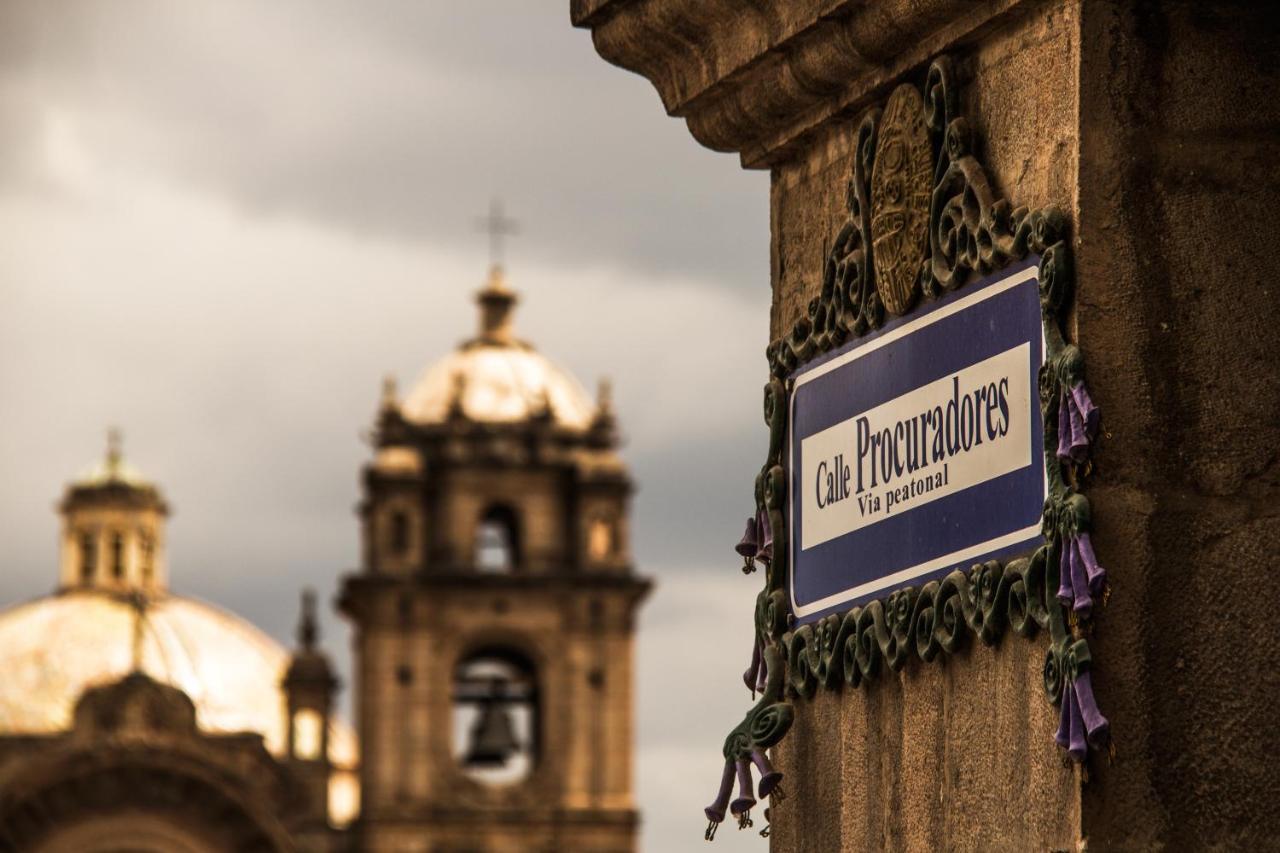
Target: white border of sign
(904, 575)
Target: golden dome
(55, 647)
(495, 378)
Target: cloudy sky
(224, 222)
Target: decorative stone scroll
(890, 252)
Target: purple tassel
(769, 778)
(1081, 577)
(1081, 725)
(1079, 584)
(1089, 413)
(1064, 430)
(1079, 439)
(1097, 574)
(715, 811)
(1078, 421)
(1077, 749)
(749, 542)
(752, 676)
(1096, 726)
(745, 800)
(766, 538)
(1065, 595)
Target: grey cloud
(400, 121)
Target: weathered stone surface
(1180, 131)
(1156, 127)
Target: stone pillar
(1155, 128)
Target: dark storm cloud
(397, 120)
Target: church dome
(54, 648)
(498, 384)
(495, 378)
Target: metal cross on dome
(498, 226)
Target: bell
(493, 740)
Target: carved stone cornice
(755, 77)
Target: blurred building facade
(133, 718)
(493, 616)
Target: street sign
(918, 449)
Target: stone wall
(1180, 132)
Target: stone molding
(757, 77)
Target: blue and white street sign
(918, 449)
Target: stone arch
(499, 677)
(397, 533)
(498, 539)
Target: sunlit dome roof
(499, 384)
(52, 648)
(495, 378)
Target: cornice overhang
(756, 77)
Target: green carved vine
(1054, 589)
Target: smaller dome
(495, 378)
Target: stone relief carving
(900, 188)
(886, 255)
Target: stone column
(1155, 127)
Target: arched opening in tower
(497, 545)
(496, 734)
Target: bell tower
(494, 613)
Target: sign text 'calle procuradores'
(942, 438)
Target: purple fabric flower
(1081, 577)
(1079, 581)
(715, 811)
(769, 778)
(1089, 413)
(745, 799)
(1097, 575)
(1078, 421)
(1065, 594)
(1096, 727)
(1064, 430)
(766, 537)
(749, 543)
(1070, 734)
(1081, 725)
